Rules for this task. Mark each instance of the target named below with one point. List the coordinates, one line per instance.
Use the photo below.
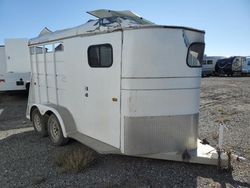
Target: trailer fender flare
(43, 109)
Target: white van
(14, 65)
(120, 84)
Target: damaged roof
(108, 21)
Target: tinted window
(100, 55)
(209, 62)
(195, 54)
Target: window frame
(194, 43)
(58, 43)
(35, 51)
(99, 45)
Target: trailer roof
(104, 13)
(108, 21)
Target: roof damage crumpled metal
(108, 20)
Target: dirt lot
(26, 160)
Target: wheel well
(46, 115)
(31, 110)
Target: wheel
(39, 123)
(55, 131)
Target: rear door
(101, 87)
(17, 55)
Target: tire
(55, 131)
(38, 123)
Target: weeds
(224, 117)
(75, 159)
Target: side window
(36, 50)
(48, 48)
(100, 55)
(195, 54)
(32, 50)
(58, 47)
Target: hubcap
(37, 122)
(54, 129)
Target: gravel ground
(26, 160)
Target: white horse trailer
(120, 84)
(14, 65)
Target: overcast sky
(226, 22)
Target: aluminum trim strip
(160, 89)
(159, 134)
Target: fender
(45, 108)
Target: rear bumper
(204, 154)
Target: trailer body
(229, 66)
(208, 65)
(120, 84)
(14, 65)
